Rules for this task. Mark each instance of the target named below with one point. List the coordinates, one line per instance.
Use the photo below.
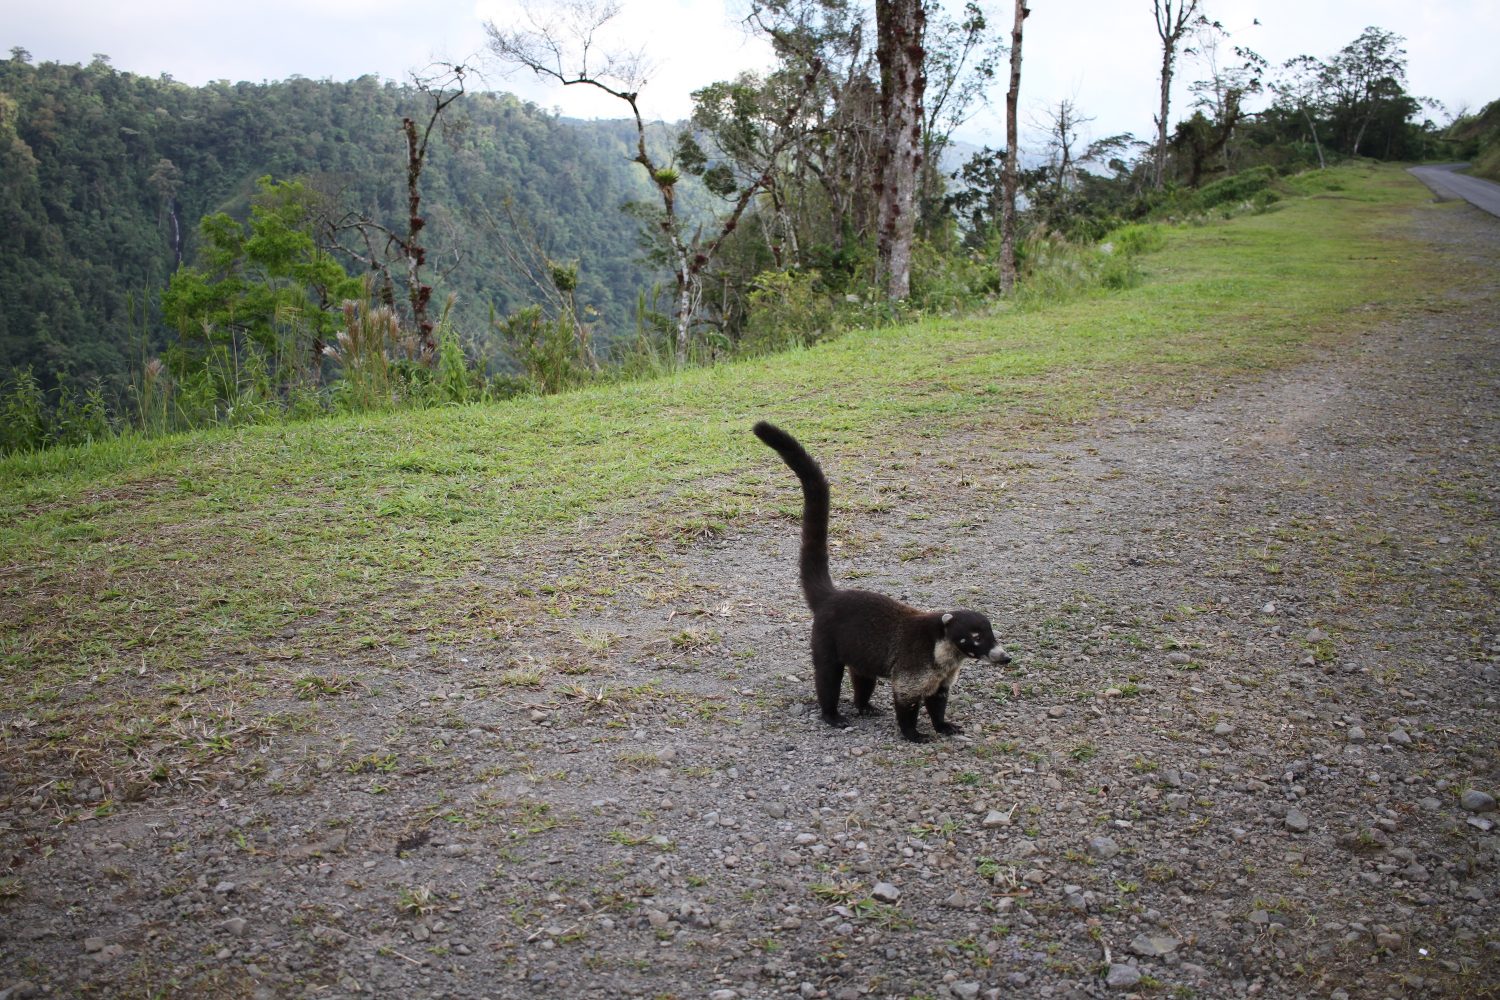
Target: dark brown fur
(869, 634)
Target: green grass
(236, 551)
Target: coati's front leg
(937, 708)
(907, 711)
(828, 677)
(864, 690)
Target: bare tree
(560, 44)
(385, 248)
(900, 26)
(1062, 124)
(1173, 21)
(1008, 177)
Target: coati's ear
(947, 617)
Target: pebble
(994, 818)
(1355, 734)
(884, 892)
(1154, 945)
(1122, 977)
(1223, 729)
(1476, 801)
(235, 925)
(964, 991)
(1399, 736)
(1296, 821)
(1103, 848)
(1179, 659)
(724, 995)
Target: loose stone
(1103, 848)
(1154, 945)
(1476, 801)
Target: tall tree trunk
(1171, 24)
(1160, 165)
(1316, 144)
(1008, 176)
(900, 25)
(418, 293)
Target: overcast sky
(1101, 54)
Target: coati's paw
(869, 710)
(836, 719)
(949, 728)
(918, 737)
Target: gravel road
(1247, 746)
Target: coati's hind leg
(828, 676)
(937, 708)
(864, 690)
(906, 718)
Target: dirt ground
(1247, 746)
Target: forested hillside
(105, 175)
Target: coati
(874, 636)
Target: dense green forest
(104, 177)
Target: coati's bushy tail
(817, 584)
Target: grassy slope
(175, 559)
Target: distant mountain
(105, 175)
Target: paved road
(1445, 183)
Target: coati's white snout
(997, 654)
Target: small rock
(884, 892)
(1122, 977)
(1179, 659)
(1389, 940)
(994, 818)
(224, 888)
(964, 991)
(1295, 821)
(93, 944)
(1154, 945)
(1103, 848)
(235, 926)
(1317, 635)
(1399, 736)
(1223, 729)
(1057, 711)
(724, 995)
(1476, 801)
(537, 715)
(1355, 735)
